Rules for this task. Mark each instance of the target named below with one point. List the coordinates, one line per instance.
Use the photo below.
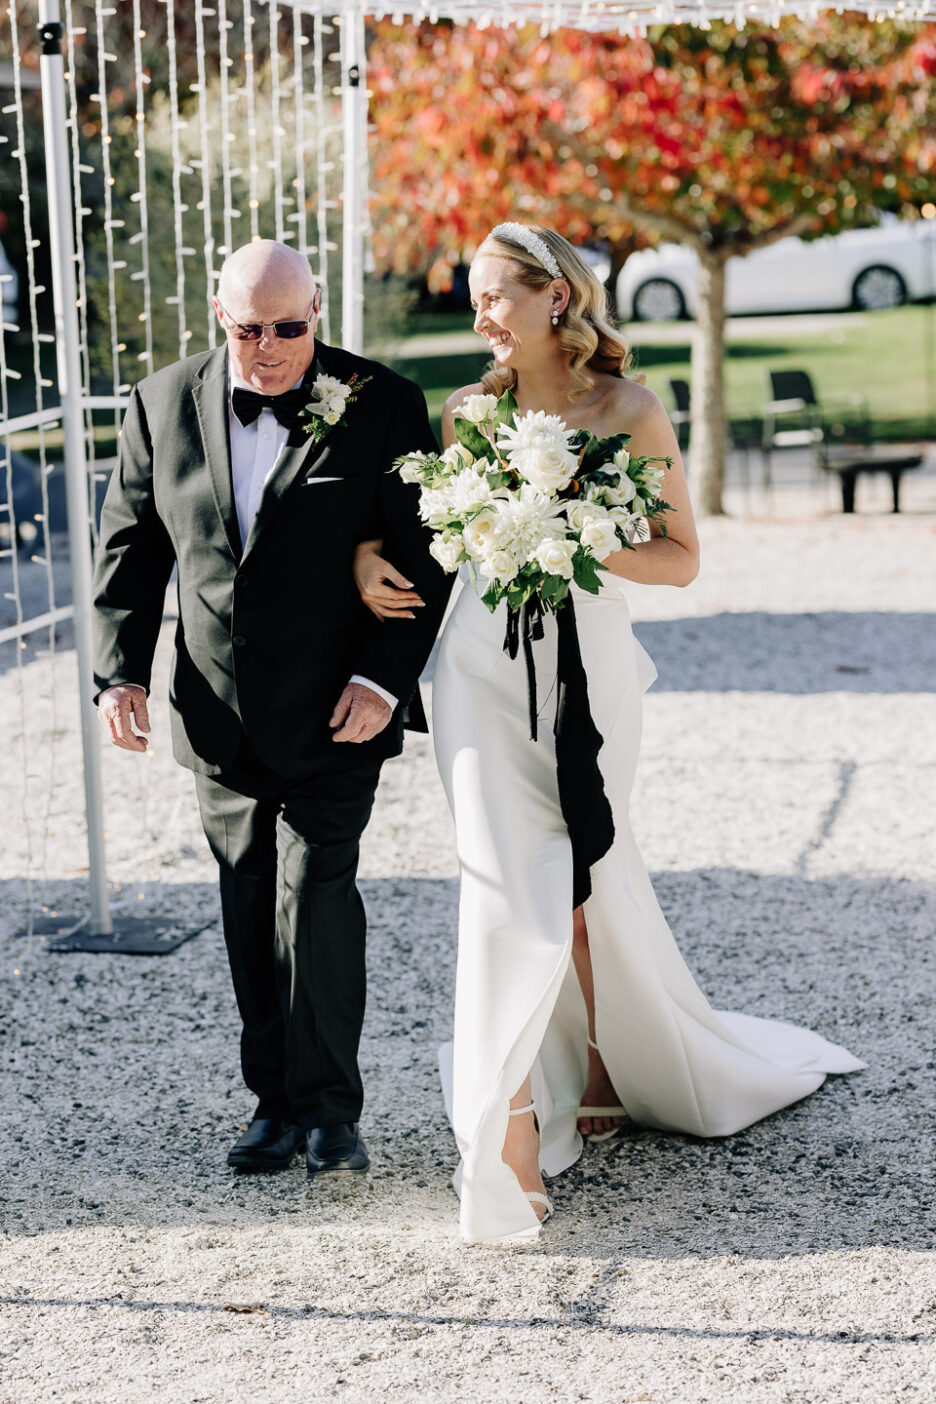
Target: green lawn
(888, 356)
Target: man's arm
(134, 563)
(395, 657)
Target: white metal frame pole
(68, 351)
(354, 115)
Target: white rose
(336, 405)
(548, 467)
(499, 565)
(582, 511)
(555, 557)
(477, 409)
(651, 478)
(623, 491)
(619, 515)
(446, 550)
(600, 537)
(480, 535)
(621, 495)
(457, 457)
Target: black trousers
(294, 926)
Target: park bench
(842, 442)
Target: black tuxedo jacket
(268, 635)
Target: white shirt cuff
(388, 697)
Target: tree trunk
(707, 423)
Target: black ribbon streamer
(526, 626)
(582, 797)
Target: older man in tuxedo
(287, 695)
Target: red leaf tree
(723, 139)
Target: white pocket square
(307, 482)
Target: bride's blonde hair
(584, 331)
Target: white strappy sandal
(534, 1196)
(600, 1111)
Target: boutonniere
(329, 399)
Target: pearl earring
(555, 319)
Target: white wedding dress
(676, 1063)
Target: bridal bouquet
(530, 505)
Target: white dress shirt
(255, 452)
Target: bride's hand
(386, 592)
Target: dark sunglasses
(253, 331)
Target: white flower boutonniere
(328, 401)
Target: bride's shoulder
(634, 401)
(637, 411)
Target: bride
(568, 1021)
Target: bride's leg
(521, 1146)
(598, 1090)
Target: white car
(894, 262)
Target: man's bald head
(265, 266)
(267, 282)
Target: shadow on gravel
(832, 651)
(584, 1318)
(126, 1093)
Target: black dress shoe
(267, 1144)
(336, 1147)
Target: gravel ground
(784, 803)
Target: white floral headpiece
(528, 238)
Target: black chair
(679, 417)
(743, 434)
(838, 433)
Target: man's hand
(116, 707)
(360, 714)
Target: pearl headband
(531, 241)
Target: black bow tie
(247, 405)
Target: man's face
(274, 363)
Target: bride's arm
(386, 592)
(663, 560)
(382, 588)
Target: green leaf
(520, 590)
(506, 409)
(602, 479)
(562, 589)
(601, 451)
(493, 595)
(587, 569)
(552, 586)
(471, 438)
(499, 480)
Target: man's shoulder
(180, 375)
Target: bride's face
(512, 318)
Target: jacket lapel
(210, 394)
(296, 460)
(302, 457)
